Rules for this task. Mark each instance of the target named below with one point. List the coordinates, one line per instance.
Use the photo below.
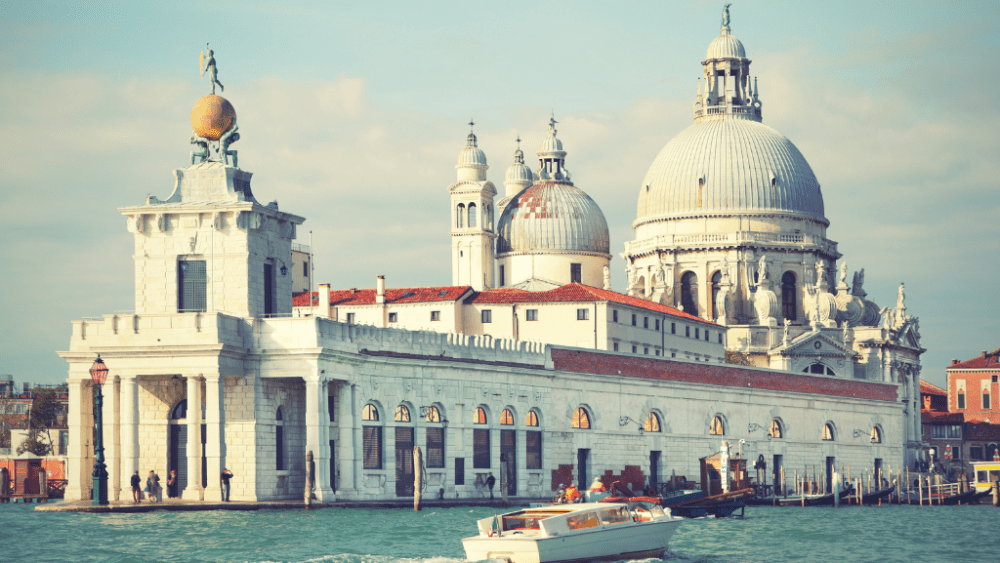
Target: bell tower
(472, 233)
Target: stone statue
(762, 273)
(202, 153)
(846, 327)
(607, 278)
(886, 318)
(724, 267)
(856, 285)
(901, 298)
(820, 271)
(663, 272)
(212, 70)
(784, 333)
(725, 15)
(228, 138)
(843, 273)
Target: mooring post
(417, 477)
(310, 478)
(996, 491)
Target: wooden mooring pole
(417, 478)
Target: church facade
(221, 366)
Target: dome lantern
(728, 93)
(471, 163)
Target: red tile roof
(931, 389)
(935, 417)
(982, 431)
(989, 361)
(575, 293)
(392, 295)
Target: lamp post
(99, 373)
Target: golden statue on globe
(213, 118)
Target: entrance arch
(177, 440)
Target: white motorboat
(566, 533)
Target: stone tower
(472, 234)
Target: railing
(742, 237)
(298, 247)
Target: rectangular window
(657, 324)
(673, 328)
(279, 448)
(986, 401)
(435, 447)
(574, 274)
(687, 331)
(633, 320)
(372, 440)
(645, 350)
(534, 447)
(582, 314)
(616, 346)
(706, 335)
(614, 316)
(350, 318)
(720, 338)
(393, 317)
(961, 400)
(994, 379)
(976, 453)
(938, 431)
(305, 269)
(697, 334)
(331, 407)
(531, 315)
(192, 282)
(481, 448)
(657, 352)
(435, 315)
(635, 348)
(269, 293)
(459, 470)
(487, 316)
(645, 322)
(673, 354)
(955, 431)
(501, 276)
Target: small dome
(518, 172)
(471, 155)
(551, 144)
(725, 46)
(552, 216)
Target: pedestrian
(149, 487)
(226, 476)
(136, 483)
(490, 481)
(172, 484)
(157, 489)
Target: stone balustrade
(646, 246)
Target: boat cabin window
(522, 521)
(615, 515)
(582, 521)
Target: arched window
(433, 415)
(581, 419)
(775, 431)
(472, 215)
(279, 440)
(716, 288)
(819, 369)
(480, 416)
(717, 428)
(460, 216)
(371, 438)
(876, 435)
(179, 411)
(689, 293)
(531, 419)
(402, 414)
(789, 305)
(652, 423)
(488, 219)
(828, 434)
(506, 418)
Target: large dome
(552, 216)
(734, 166)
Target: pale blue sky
(352, 113)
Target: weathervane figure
(208, 65)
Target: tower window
(192, 281)
(575, 275)
(460, 215)
(472, 215)
(689, 293)
(502, 282)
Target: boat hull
(624, 541)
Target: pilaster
(215, 436)
(129, 435)
(193, 490)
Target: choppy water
(819, 535)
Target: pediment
(813, 344)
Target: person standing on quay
(136, 492)
(490, 481)
(172, 484)
(226, 476)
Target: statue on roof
(901, 298)
(208, 65)
(725, 16)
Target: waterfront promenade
(177, 505)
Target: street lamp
(99, 373)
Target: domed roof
(733, 166)
(471, 155)
(552, 216)
(725, 46)
(551, 143)
(518, 172)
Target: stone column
(129, 432)
(318, 437)
(193, 489)
(349, 462)
(79, 464)
(112, 449)
(215, 424)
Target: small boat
(815, 500)
(568, 533)
(968, 497)
(875, 496)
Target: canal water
(887, 534)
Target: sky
(352, 114)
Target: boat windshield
(582, 521)
(528, 520)
(615, 515)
